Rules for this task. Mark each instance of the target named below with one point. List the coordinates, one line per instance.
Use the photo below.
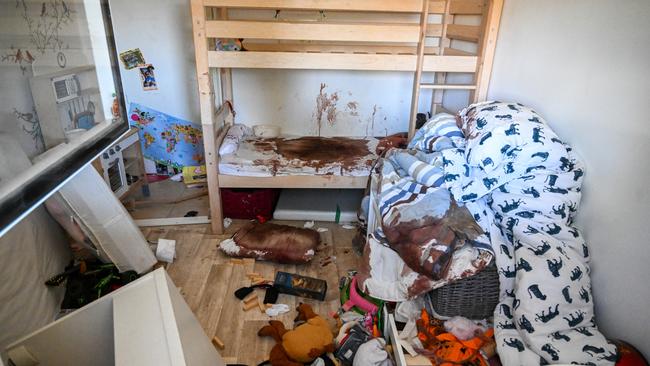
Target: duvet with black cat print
(522, 185)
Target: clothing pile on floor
(493, 181)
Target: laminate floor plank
(208, 280)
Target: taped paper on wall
(132, 58)
(148, 78)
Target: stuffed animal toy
(304, 343)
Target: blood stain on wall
(352, 107)
(325, 105)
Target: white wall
(584, 66)
(162, 30)
(288, 98)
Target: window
(60, 96)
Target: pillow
(234, 135)
(272, 242)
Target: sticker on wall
(18, 56)
(148, 78)
(166, 139)
(132, 58)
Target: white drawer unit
(145, 323)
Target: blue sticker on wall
(166, 139)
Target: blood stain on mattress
(273, 164)
(264, 145)
(316, 152)
(324, 150)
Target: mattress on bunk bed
(306, 155)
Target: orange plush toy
(444, 349)
(301, 345)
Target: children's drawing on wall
(166, 139)
(45, 26)
(20, 57)
(132, 58)
(32, 127)
(148, 77)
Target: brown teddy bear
(303, 344)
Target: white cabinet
(145, 323)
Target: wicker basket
(473, 297)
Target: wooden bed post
(225, 75)
(206, 101)
(441, 77)
(487, 46)
(424, 20)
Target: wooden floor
(169, 190)
(208, 281)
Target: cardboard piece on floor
(166, 250)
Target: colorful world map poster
(167, 140)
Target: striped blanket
(426, 239)
(503, 164)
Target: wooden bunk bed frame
(372, 40)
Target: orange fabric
(444, 349)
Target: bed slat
(334, 48)
(311, 31)
(338, 61)
(401, 6)
(469, 33)
(293, 181)
(447, 86)
(469, 7)
(347, 48)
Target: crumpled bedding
(425, 239)
(233, 137)
(521, 184)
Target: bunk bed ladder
(415, 96)
(485, 55)
(441, 77)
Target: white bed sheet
(257, 157)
